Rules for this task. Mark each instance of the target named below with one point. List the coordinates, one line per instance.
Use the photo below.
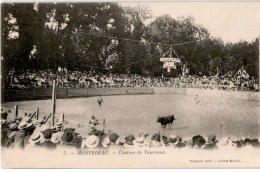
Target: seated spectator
(67, 139)
(47, 143)
(56, 138)
(105, 141)
(211, 143)
(22, 136)
(35, 140)
(225, 143)
(179, 143)
(198, 141)
(91, 142)
(255, 143)
(113, 138)
(156, 141)
(121, 140)
(139, 142)
(129, 142)
(172, 141)
(4, 129)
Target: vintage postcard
(130, 85)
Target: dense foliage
(69, 35)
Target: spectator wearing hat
(39, 123)
(91, 142)
(10, 141)
(156, 141)
(113, 138)
(22, 136)
(13, 127)
(140, 142)
(198, 141)
(19, 139)
(105, 142)
(56, 138)
(129, 142)
(225, 143)
(189, 144)
(165, 141)
(179, 143)
(58, 127)
(27, 125)
(28, 131)
(121, 140)
(211, 143)
(247, 143)
(17, 120)
(47, 143)
(4, 129)
(77, 141)
(172, 141)
(255, 143)
(4, 116)
(67, 139)
(35, 140)
(237, 144)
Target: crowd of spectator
(24, 133)
(76, 79)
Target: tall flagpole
(54, 96)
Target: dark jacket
(19, 139)
(48, 145)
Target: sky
(231, 21)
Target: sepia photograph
(130, 84)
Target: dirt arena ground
(137, 113)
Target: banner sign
(170, 63)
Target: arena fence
(39, 94)
(81, 126)
(14, 95)
(15, 112)
(84, 127)
(215, 93)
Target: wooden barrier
(37, 113)
(12, 113)
(16, 110)
(16, 95)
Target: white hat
(91, 142)
(173, 137)
(155, 143)
(27, 119)
(12, 134)
(2, 121)
(139, 141)
(36, 137)
(13, 125)
(223, 141)
(106, 142)
(120, 140)
(56, 137)
(24, 125)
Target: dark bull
(167, 120)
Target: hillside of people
(122, 49)
(44, 79)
